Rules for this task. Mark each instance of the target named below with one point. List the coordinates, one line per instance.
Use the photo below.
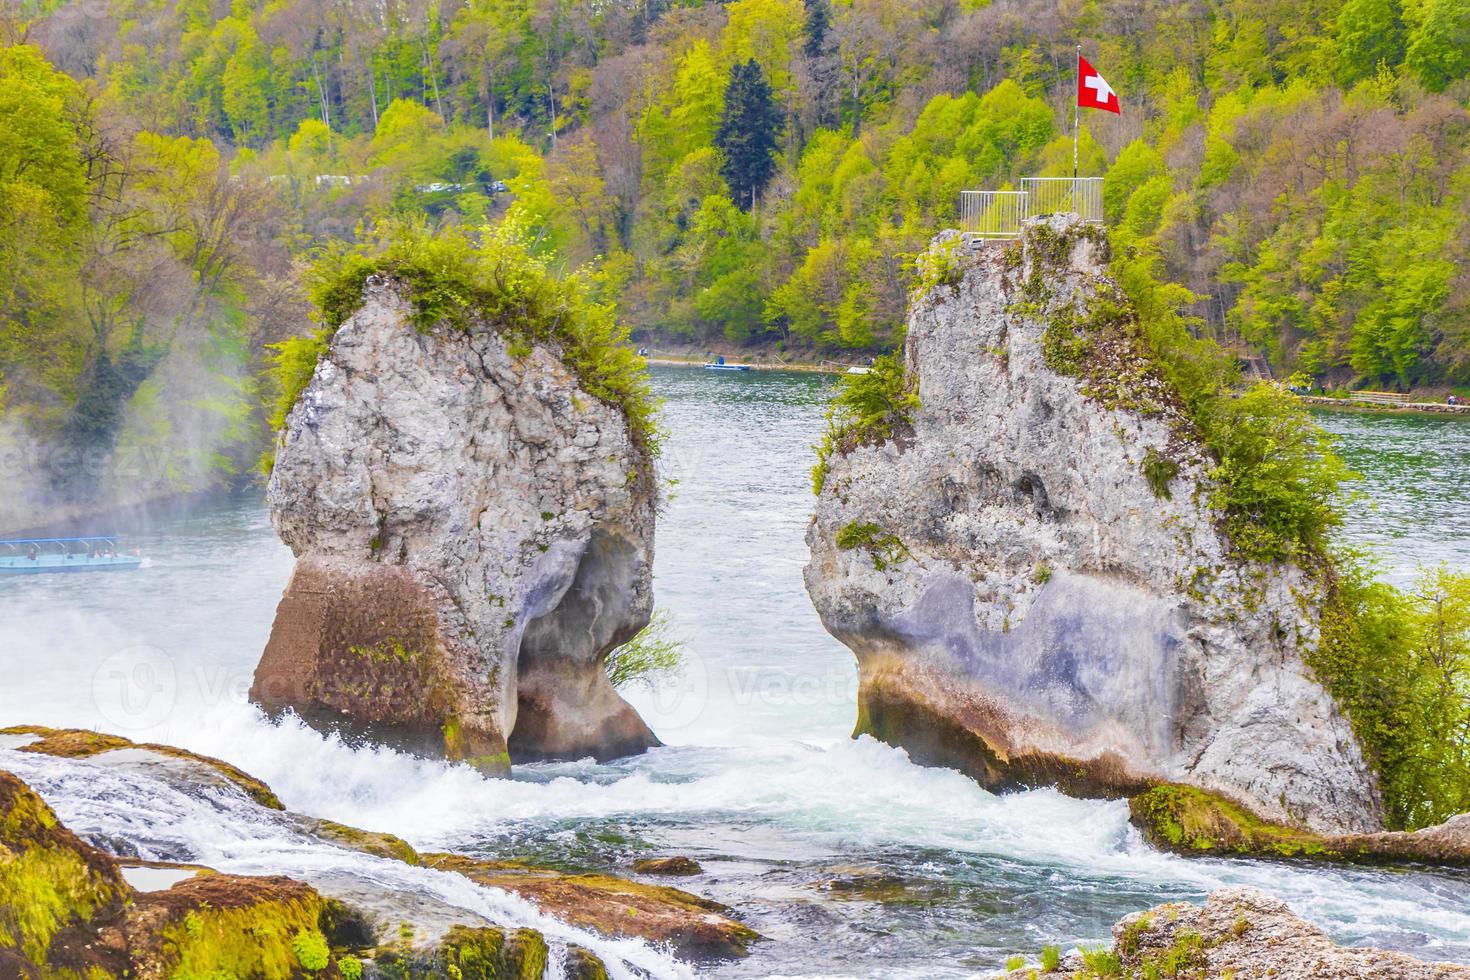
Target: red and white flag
(1092, 91)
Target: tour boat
(718, 364)
(34, 556)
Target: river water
(850, 859)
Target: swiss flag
(1092, 91)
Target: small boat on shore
(718, 364)
(36, 556)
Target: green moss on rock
(583, 964)
(1189, 820)
(229, 926)
(71, 743)
(50, 880)
(493, 954)
(883, 547)
(367, 841)
(692, 926)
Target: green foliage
(1101, 963)
(1159, 470)
(883, 547)
(1369, 33)
(1439, 44)
(868, 409)
(939, 266)
(457, 279)
(818, 23)
(46, 883)
(652, 655)
(1277, 478)
(294, 361)
(311, 950)
(1051, 958)
(350, 967)
(1185, 957)
(1014, 963)
(1399, 663)
(267, 939)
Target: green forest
(753, 172)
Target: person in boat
(32, 552)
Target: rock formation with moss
(67, 911)
(473, 533)
(1029, 567)
(67, 904)
(1238, 934)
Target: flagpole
(1076, 124)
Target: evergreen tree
(748, 130)
(818, 23)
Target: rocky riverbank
(1032, 575)
(122, 916)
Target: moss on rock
(583, 964)
(51, 882)
(72, 743)
(367, 841)
(216, 925)
(467, 953)
(675, 865)
(694, 927)
(493, 954)
(1189, 820)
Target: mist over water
(853, 861)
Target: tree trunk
(372, 92)
(433, 79)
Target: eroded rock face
(473, 532)
(1023, 604)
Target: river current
(850, 859)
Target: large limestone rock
(1025, 607)
(473, 532)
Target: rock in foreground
(473, 532)
(66, 910)
(79, 910)
(693, 927)
(1031, 574)
(1248, 935)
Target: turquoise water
(853, 861)
(1412, 503)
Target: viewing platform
(1001, 215)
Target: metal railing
(992, 214)
(1081, 196)
(1001, 214)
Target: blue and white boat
(36, 556)
(718, 364)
